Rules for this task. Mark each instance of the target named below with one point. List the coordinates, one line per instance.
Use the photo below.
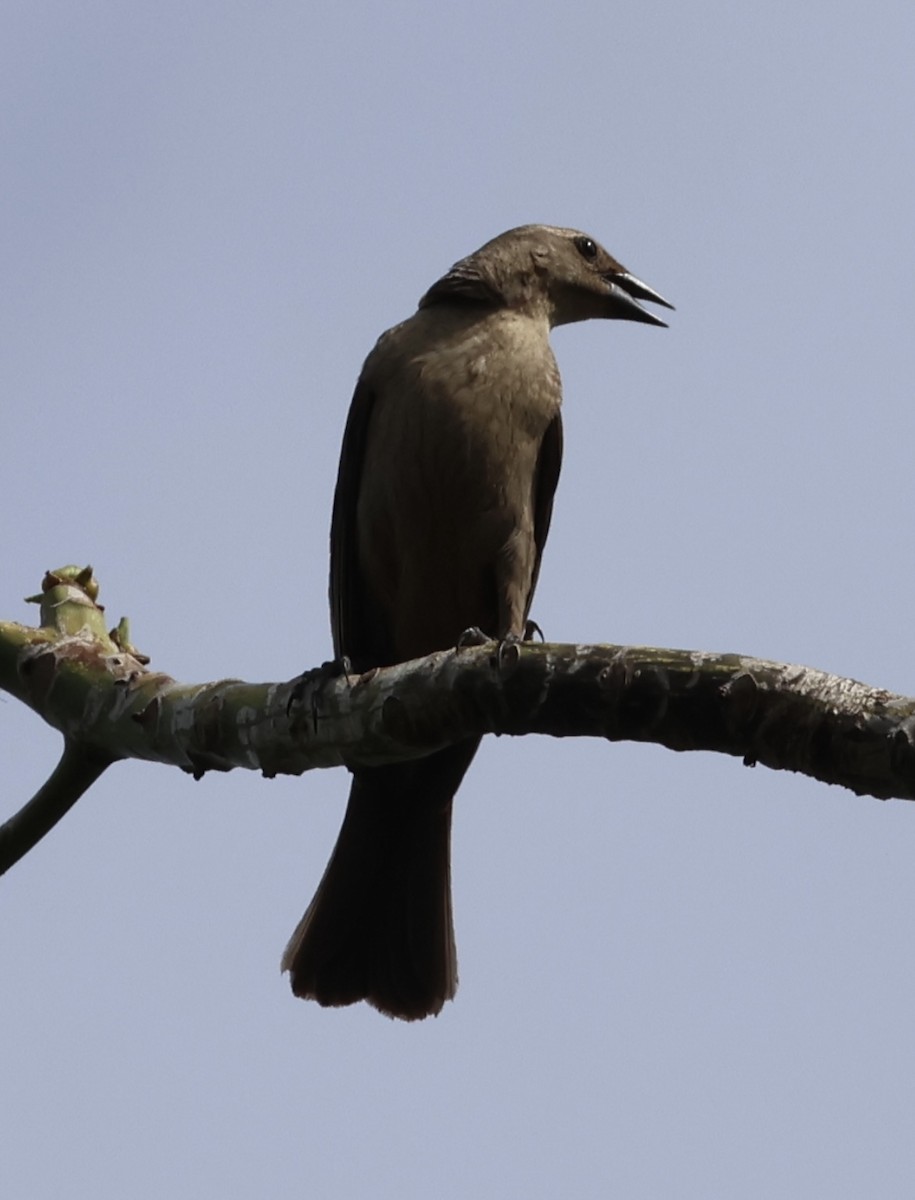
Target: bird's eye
(586, 248)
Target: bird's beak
(626, 292)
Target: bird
(450, 459)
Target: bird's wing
(348, 599)
(549, 463)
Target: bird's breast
(449, 473)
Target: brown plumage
(449, 463)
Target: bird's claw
(530, 629)
(314, 680)
(474, 636)
(509, 651)
(507, 648)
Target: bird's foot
(474, 636)
(532, 629)
(509, 651)
(313, 680)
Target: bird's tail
(380, 926)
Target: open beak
(627, 291)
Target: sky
(679, 977)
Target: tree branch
(96, 688)
(77, 770)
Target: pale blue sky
(679, 978)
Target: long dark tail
(380, 927)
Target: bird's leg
(314, 680)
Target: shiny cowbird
(450, 459)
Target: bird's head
(561, 273)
